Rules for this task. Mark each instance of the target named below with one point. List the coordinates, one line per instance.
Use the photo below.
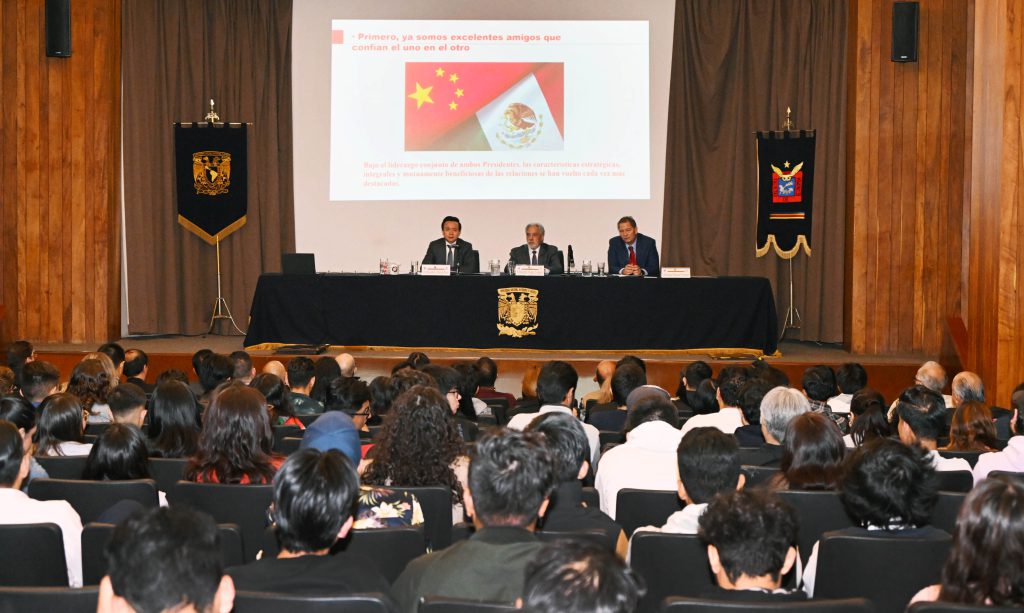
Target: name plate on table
(436, 270)
(675, 272)
(525, 270)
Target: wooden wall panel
(906, 178)
(59, 164)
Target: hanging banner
(785, 185)
(211, 178)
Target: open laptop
(298, 264)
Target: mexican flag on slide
(484, 106)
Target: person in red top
(278, 400)
(235, 445)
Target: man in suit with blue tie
(452, 250)
(631, 253)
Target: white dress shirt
(841, 403)
(941, 463)
(17, 508)
(520, 421)
(646, 461)
(1010, 459)
(727, 419)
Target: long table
(484, 312)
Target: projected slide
(441, 110)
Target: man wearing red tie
(631, 253)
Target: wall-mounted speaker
(904, 31)
(58, 28)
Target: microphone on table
(572, 262)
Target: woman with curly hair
(972, 429)
(419, 445)
(91, 384)
(235, 444)
(812, 455)
(986, 563)
(278, 400)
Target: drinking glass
(588, 268)
(495, 267)
(600, 269)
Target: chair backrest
(697, 605)
(167, 471)
(45, 566)
(970, 456)
(390, 549)
(671, 565)
(946, 510)
(949, 607)
(1007, 473)
(96, 429)
(265, 602)
(955, 480)
(245, 505)
(91, 498)
(591, 497)
(611, 436)
(758, 475)
(95, 537)
(283, 432)
(635, 508)
(443, 604)
(288, 445)
(819, 512)
(63, 599)
(594, 536)
(852, 567)
(63, 467)
(436, 504)
(308, 419)
(499, 408)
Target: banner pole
(793, 318)
(220, 307)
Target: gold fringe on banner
(212, 239)
(801, 241)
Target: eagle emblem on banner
(517, 311)
(211, 171)
(787, 187)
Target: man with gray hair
(778, 408)
(933, 376)
(967, 387)
(536, 252)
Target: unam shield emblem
(211, 171)
(517, 311)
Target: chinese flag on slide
(484, 106)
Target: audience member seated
(579, 576)
(38, 380)
(278, 399)
(647, 460)
(346, 365)
(128, 404)
(812, 456)
(116, 353)
(819, 384)
(17, 508)
(751, 395)
(382, 396)
(314, 494)
(197, 366)
(235, 444)
(62, 427)
(334, 430)
(91, 384)
(120, 454)
(528, 401)
(751, 537)
(779, 407)
(136, 368)
(888, 490)
(241, 367)
(469, 383)
(603, 377)
(556, 390)
(565, 439)
(511, 475)
(173, 374)
(850, 378)
(275, 367)
(1010, 459)
(419, 445)
(627, 378)
(447, 381)
(8, 382)
(922, 418)
(967, 387)
(932, 376)
(867, 418)
(972, 428)
(19, 412)
(214, 371)
(985, 566)
(704, 400)
(173, 421)
(301, 379)
(709, 464)
(728, 417)
(689, 378)
(20, 353)
(165, 560)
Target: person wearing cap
(647, 460)
(334, 430)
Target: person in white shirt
(556, 390)
(922, 418)
(647, 460)
(729, 416)
(17, 508)
(851, 378)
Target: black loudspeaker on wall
(58, 28)
(904, 31)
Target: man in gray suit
(537, 252)
(452, 250)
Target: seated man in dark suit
(751, 537)
(536, 252)
(136, 367)
(631, 253)
(452, 250)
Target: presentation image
(479, 110)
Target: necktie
(632, 256)
(451, 256)
(533, 258)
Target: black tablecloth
(588, 313)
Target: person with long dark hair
(867, 418)
(419, 445)
(325, 370)
(972, 429)
(278, 400)
(173, 421)
(235, 444)
(62, 427)
(91, 383)
(20, 412)
(119, 454)
(812, 455)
